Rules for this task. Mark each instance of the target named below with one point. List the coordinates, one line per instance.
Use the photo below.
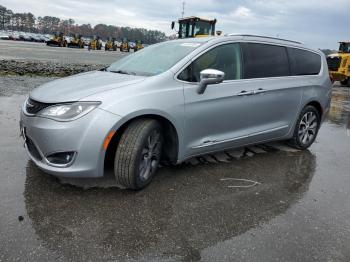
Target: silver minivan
(176, 100)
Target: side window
(262, 60)
(303, 62)
(226, 58)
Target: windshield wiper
(122, 72)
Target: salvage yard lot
(40, 52)
(262, 203)
(298, 211)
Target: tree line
(27, 22)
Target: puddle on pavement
(180, 206)
(340, 107)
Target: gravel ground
(20, 85)
(41, 68)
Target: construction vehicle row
(77, 41)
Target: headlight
(68, 112)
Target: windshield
(202, 28)
(154, 59)
(344, 47)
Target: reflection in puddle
(240, 182)
(340, 107)
(184, 210)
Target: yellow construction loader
(95, 44)
(339, 64)
(57, 40)
(194, 26)
(76, 42)
(110, 45)
(125, 46)
(138, 45)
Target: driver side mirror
(209, 77)
(172, 25)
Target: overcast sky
(318, 23)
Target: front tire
(138, 154)
(306, 128)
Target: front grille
(333, 63)
(32, 149)
(33, 107)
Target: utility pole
(183, 9)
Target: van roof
(240, 37)
(266, 38)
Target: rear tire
(138, 154)
(306, 128)
(345, 82)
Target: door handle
(245, 93)
(259, 91)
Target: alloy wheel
(308, 127)
(150, 155)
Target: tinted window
(304, 62)
(226, 58)
(262, 60)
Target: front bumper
(84, 136)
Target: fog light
(61, 158)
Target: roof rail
(268, 37)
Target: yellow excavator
(138, 45)
(110, 44)
(125, 46)
(57, 40)
(339, 64)
(95, 44)
(76, 42)
(194, 26)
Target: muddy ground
(298, 210)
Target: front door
(237, 111)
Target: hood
(76, 87)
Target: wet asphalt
(291, 206)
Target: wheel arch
(317, 105)
(311, 102)
(171, 144)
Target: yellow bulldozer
(125, 46)
(138, 45)
(194, 26)
(339, 64)
(57, 40)
(95, 44)
(110, 44)
(76, 42)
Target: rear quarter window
(264, 60)
(304, 62)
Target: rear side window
(261, 60)
(226, 58)
(303, 62)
